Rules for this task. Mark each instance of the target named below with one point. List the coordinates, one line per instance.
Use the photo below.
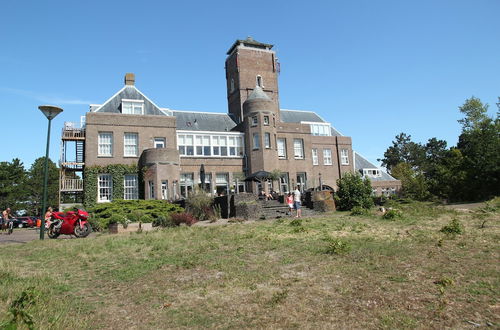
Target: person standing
(289, 202)
(48, 216)
(297, 202)
(6, 215)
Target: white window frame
(255, 121)
(130, 150)
(315, 159)
(130, 187)
(160, 142)
(281, 145)
(102, 149)
(104, 188)
(255, 141)
(344, 157)
(211, 145)
(151, 188)
(372, 172)
(267, 140)
(164, 189)
(327, 157)
(266, 120)
(298, 150)
(134, 104)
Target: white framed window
(344, 157)
(267, 140)
(202, 145)
(327, 156)
(256, 141)
(372, 172)
(160, 142)
(315, 156)
(208, 145)
(130, 144)
(284, 183)
(259, 81)
(105, 187)
(298, 148)
(105, 144)
(186, 183)
(130, 186)
(151, 185)
(221, 183)
(266, 120)
(281, 148)
(321, 129)
(255, 121)
(164, 189)
(133, 107)
(223, 146)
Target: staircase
(274, 209)
(80, 151)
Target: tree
(403, 150)
(34, 185)
(353, 191)
(475, 113)
(413, 183)
(12, 176)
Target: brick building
(166, 150)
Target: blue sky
(371, 68)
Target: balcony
(73, 131)
(71, 184)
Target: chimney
(130, 79)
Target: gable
(129, 92)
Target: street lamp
(50, 112)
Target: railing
(73, 131)
(71, 184)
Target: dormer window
(133, 107)
(259, 81)
(372, 172)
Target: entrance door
(302, 181)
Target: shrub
(357, 210)
(134, 210)
(353, 191)
(162, 221)
(454, 227)
(199, 204)
(392, 214)
(337, 246)
(185, 217)
(147, 219)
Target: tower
(250, 63)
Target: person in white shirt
(296, 202)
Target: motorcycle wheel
(82, 232)
(51, 232)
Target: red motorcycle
(69, 223)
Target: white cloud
(52, 99)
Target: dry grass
(396, 274)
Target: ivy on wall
(117, 172)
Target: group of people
(293, 199)
(7, 216)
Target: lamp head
(50, 111)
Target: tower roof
(249, 42)
(258, 93)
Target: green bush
(200, 205)
(454, 227)
(392, 214)
(162, 221)
(337, 246)
(353, 191)
(357, 210)
(135, 210)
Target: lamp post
(320, 183)
(50, 112)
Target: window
(267, 140)
(221, 183)
(255, 121)
(302, 180)
(256, 142)
(298, 148)
(259, 81)
(159, 143)
(130, 186)
(185, 143)
(206, 184)
(164, 189)
(223, 146)
(281, 148)
(210, 145)
(130, 147)
(186, 184)
(327, 156)
(232, 146)
(372, 172)
(203, 145)
(105, 184)
(315, 156)
(105, 147)
(133, 107)
(284, 183)
(232, 85)
(344, 157)
(151, 189)
(321, 129)
(266, 120)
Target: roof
(361, 163)
(129, 92)
(249, 41)
(258, 93)
(203, 121)
(298, 116)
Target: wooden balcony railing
(71, 184)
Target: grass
(336, 270)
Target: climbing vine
(117, 172)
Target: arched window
(260, 82)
